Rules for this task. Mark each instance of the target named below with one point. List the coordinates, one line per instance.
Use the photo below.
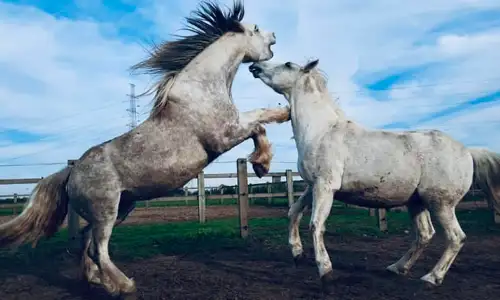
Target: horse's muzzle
(255, 70)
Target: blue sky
(64, 70)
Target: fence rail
(206, 176)
(243, 194)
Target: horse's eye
(288, 65)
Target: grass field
(143, 241)
(276, 202)
(188, 260)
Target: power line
(33, 164)
(133, 100)
(359, 91)
(278, 145)
(66, 141)
(87, 127)
(133, 112)
(64, 163)
(133, 107)
(108, 105)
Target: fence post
(241, 166)
(73, 219)
(382, 219)
(201, 197)
(186, 193)
(289, 187)
(14, 209)
(269, 191)
(497, 217)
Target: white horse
(427, 171)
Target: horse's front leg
(295, 215)
(262, 155)
(323, 192)
(249, 125)
(265, 116)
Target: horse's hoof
(299, 259)
(260, 170)
(326, 283)
(128, 296)
(430, 281)
(393, 270)
(128, 287)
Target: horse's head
(258, 43)
(282, 78)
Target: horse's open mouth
(271, 50)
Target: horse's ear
(310, 65)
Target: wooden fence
(242, 195)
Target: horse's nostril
(254, 69)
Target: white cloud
(67, 80)
(62, 80)
(465, 44)
(352, 39)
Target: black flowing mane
(208, 23)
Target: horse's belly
(381, 195)
(155, 182)
(163, 173)
(373, 201)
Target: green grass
(8, 211)
(276, 202)
(215, 202)
(131, 242)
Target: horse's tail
(487, 176)
(43, 214)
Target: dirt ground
(260, 272)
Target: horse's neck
(210, 75)
(312, 114)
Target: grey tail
(42, 215)
(487, 176)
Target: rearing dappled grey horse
(193, 121)
(427, 171)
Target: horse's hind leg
(118, 282)
(455, 238)
(105, 216)
(295, 215)
(424, 231)
(89, 269)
